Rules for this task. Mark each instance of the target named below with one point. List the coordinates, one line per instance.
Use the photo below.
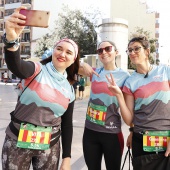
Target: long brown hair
(142, 40)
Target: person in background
(45, 108)
(5, 77)
(75, 86)
(82, 83)
(102, 134)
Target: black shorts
(81, 88)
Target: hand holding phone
(36, 18)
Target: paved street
(7, 104)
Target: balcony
(1, 30)
(157, 35)
(25, 40)
(12, 1)
(16, 1)
(7, 13)
(26, 29)
(1, 18)
(26, 3)
(156, 15)
(25, 52)
(2, 6)
(157, 45)
(156, 25)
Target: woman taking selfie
(45, 106)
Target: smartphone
(36, 18)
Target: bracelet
(131, 129)
(10, 44)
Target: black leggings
(96, 144)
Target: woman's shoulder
(132, 76)
(38, 66)
(98, 69)
(161, 68)
(122, 71)
(165, 66)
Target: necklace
(150, 68)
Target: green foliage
(42, 44)
(140, 31)
(75, 25)
(152, 41)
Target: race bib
(96, 114)
(34, 137)
(155, 141)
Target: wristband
(131, 129)
(10, 44)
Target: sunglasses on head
(107, 49)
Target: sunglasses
(136, 50)
(107, 49)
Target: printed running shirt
(52, 104)
(102, 112)
(48, 101)
(152, 99)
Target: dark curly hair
(142, 40)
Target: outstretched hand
(112, 86)
(87, 70)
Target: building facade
(7, 7)
(125, 17)
(135, 13)
(138, 14)
(30, 34)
